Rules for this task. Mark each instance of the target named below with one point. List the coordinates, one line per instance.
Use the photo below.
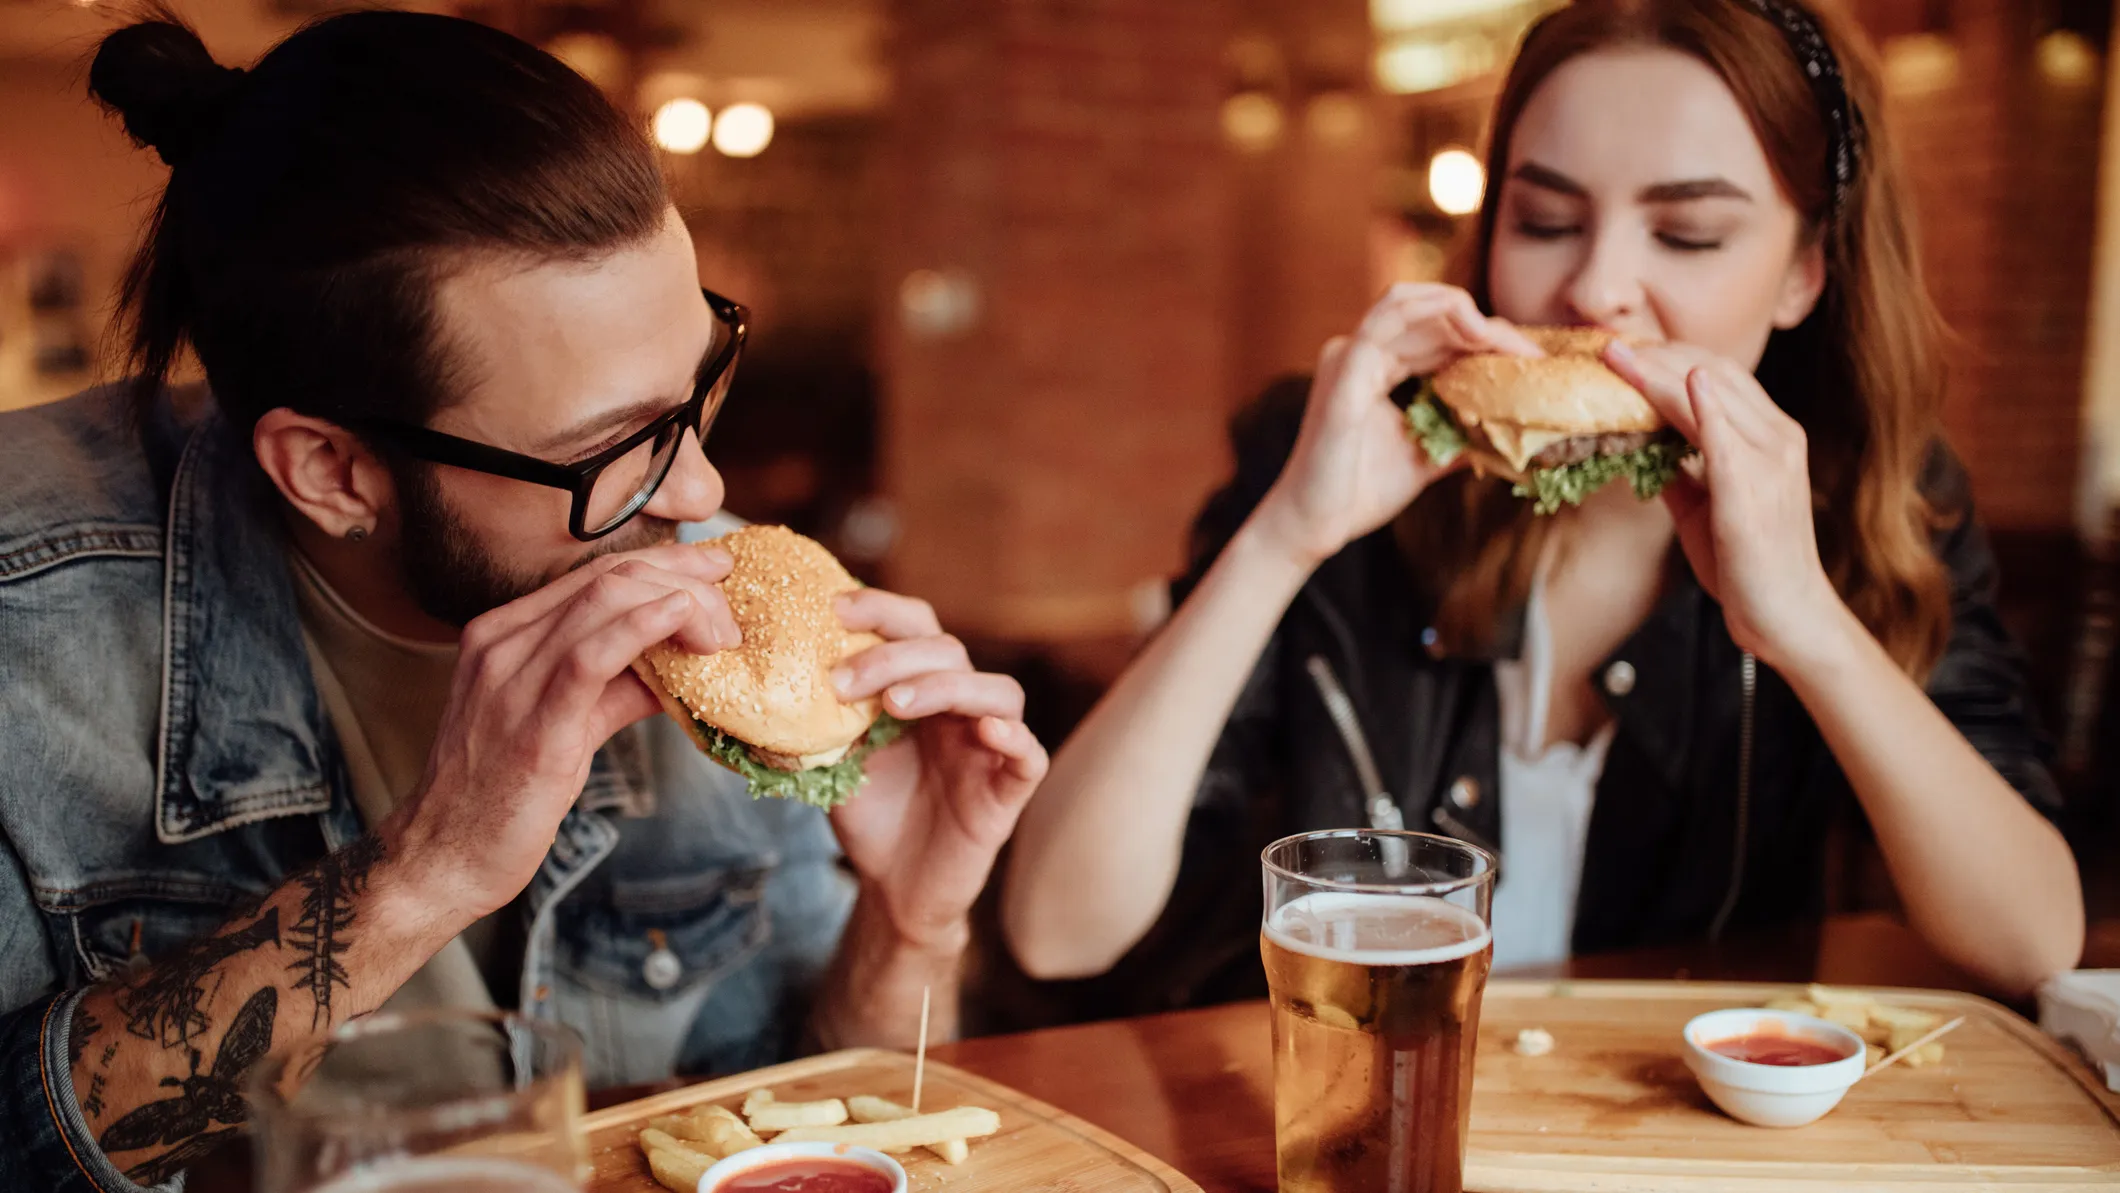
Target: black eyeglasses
(612, 485)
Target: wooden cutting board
(1037, 1146)
(1613, 1107)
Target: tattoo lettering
(110, 1052)
(93, 1103)
(327, 912)
(181, 1122)
(163, 1005)
(85, 1028)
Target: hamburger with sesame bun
(1561, 426)
(765, 708)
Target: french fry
(1871, 1054)
(1898, 1018)
(677, 1171)
(785, 1116)
(867, 1109)
(1794, 1005)
(755, 1099)
(1828, 997)
(1928, 1054)
(653, 1140)
(727, 1133)
(1849, 1015)
(905, 1134)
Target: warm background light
(1252, 121)
(744, 130)
(1456, 180)
(681, 125)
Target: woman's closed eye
(1689, 240)
(1536, 229)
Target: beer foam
(1374, 929)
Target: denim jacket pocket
(132, 927)
(659, 940)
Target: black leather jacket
(1346, 705)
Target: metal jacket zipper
(1749, 678)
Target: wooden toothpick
(1938, 1034)
(920, 1057)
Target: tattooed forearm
(164, 1091)
(164, 1005)
(85, 1029)
(319, 935)
(183, 1122)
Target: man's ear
(324, 471)
(1802, 285)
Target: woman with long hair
(1652, 710)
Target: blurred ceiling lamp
(1410, 67)
(1414, 14)
(744, 130)
(1335, 118)
(1252, 121)
(1920, 62)
(593, 56)
(1456, 181)
(681, 125)
(933, 303)
(2066, 59)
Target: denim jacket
(165, 758)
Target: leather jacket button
(1619, 678)
(1464, 793)
(661, 970)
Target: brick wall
(1059, 160)
(2003, 162)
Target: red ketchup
(1764, 1049)
(811, 1174)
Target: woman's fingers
(1661, 379)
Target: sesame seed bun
(773, 692)
(1570, 389)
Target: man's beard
(454, 578)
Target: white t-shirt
(1546, 796)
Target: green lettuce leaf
(824, 787)
(1433, 428)
(1648, 468)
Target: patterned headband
(1844, 127)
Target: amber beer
(1376, 1007)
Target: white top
(1546, 795)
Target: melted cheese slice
(810, 761)
(1519, 444)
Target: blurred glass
(421, 1103)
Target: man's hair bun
(159, 78)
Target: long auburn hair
(1863, 373)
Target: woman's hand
(1355, 465)
(939, 803)
(1745, 519)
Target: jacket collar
(243, 735)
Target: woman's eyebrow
(1549, 179)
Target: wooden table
(1195, 1088)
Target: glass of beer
(423, 1102)
(1377, 949)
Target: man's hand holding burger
(925, 830)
